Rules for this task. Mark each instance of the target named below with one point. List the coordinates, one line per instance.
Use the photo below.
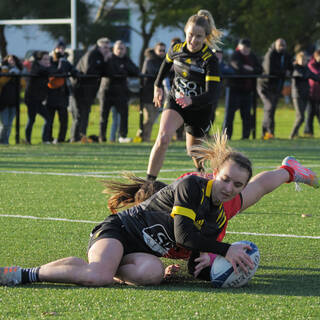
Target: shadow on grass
(300, 282)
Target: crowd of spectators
(103, 72)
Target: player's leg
(104, 258)
(190, 142)
(140, 269)
(170, 121)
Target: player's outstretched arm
(265, 182)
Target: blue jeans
(115, 123)
(6, 118)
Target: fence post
(254, 111)
(141, 106)
(17, 106)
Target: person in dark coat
(115, 92)
(94, 63)
(313, 109)
(300, 89)
(276, 62)
(151, 65)
(244, 62)
(37, 93)
(58, 93)
(9, 94)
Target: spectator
(276, 62)
(244, 62)
(37, 93)
(9, 94)
(151, 66)
(58, 93)
(300, 89)
(313, 110)
(225, 69)
(94, 62)
(116, 93)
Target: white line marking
(46, 218)
(274, 235)
(95, 222)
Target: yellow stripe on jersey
(223, 222)
(221, 211)
(202, 198)
(209, 188)
(177, 47)
(213, 78)
(204, 48)
(206, 56)
(183, 212)
(168, 58)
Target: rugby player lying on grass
(188, 216)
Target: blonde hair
(204, 19)
(217, 152)
(299, 57)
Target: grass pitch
(51, 198)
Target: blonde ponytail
(214, 35)
(217, 152)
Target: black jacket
(237, 62)
(59, 96)
(10, 92)
(119, 69)
(276, 64)
(151, 66)
(91, 63)
(37, 87)
(300, 84)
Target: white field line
(95, 222)
(114, 174)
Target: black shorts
(112, 228)
(196, 122)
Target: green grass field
(51, 198)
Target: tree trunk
(3, 42)
(145, 45)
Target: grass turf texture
(286, 285)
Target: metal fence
(141, 77)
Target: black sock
(29, 275)
(150, 177)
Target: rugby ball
(222, 274)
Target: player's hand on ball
(236, 256)
(203, 262)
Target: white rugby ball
(222, 274)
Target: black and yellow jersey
(195, 74)
(181, 214)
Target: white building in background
(25, 38)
